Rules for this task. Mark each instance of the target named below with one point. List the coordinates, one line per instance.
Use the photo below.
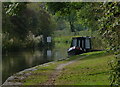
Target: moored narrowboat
(80, 45)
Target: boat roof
(81, 37)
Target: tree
(12, 14)
(24, 20)
(65, 10)
(14, 8)
(45, 21)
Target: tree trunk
(72, 27)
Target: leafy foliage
(65, 10)
(14, 8)
(22, 21)
(110, 30)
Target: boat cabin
(80, 45)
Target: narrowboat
(79, 45)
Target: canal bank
(91, 68)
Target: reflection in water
(17, 61)
(49, 53)
(60, 53)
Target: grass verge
(92, 70)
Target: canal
(14, 62)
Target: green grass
(62, 39)
(92, 70)
(42, 74)
(69, 33)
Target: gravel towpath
(58, 70)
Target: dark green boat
(80, 45)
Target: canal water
(17, 61)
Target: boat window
(87, 44)
(82, 43)
(79, 42)
(74, 43)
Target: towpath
(58, 70)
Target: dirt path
(58, 70)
